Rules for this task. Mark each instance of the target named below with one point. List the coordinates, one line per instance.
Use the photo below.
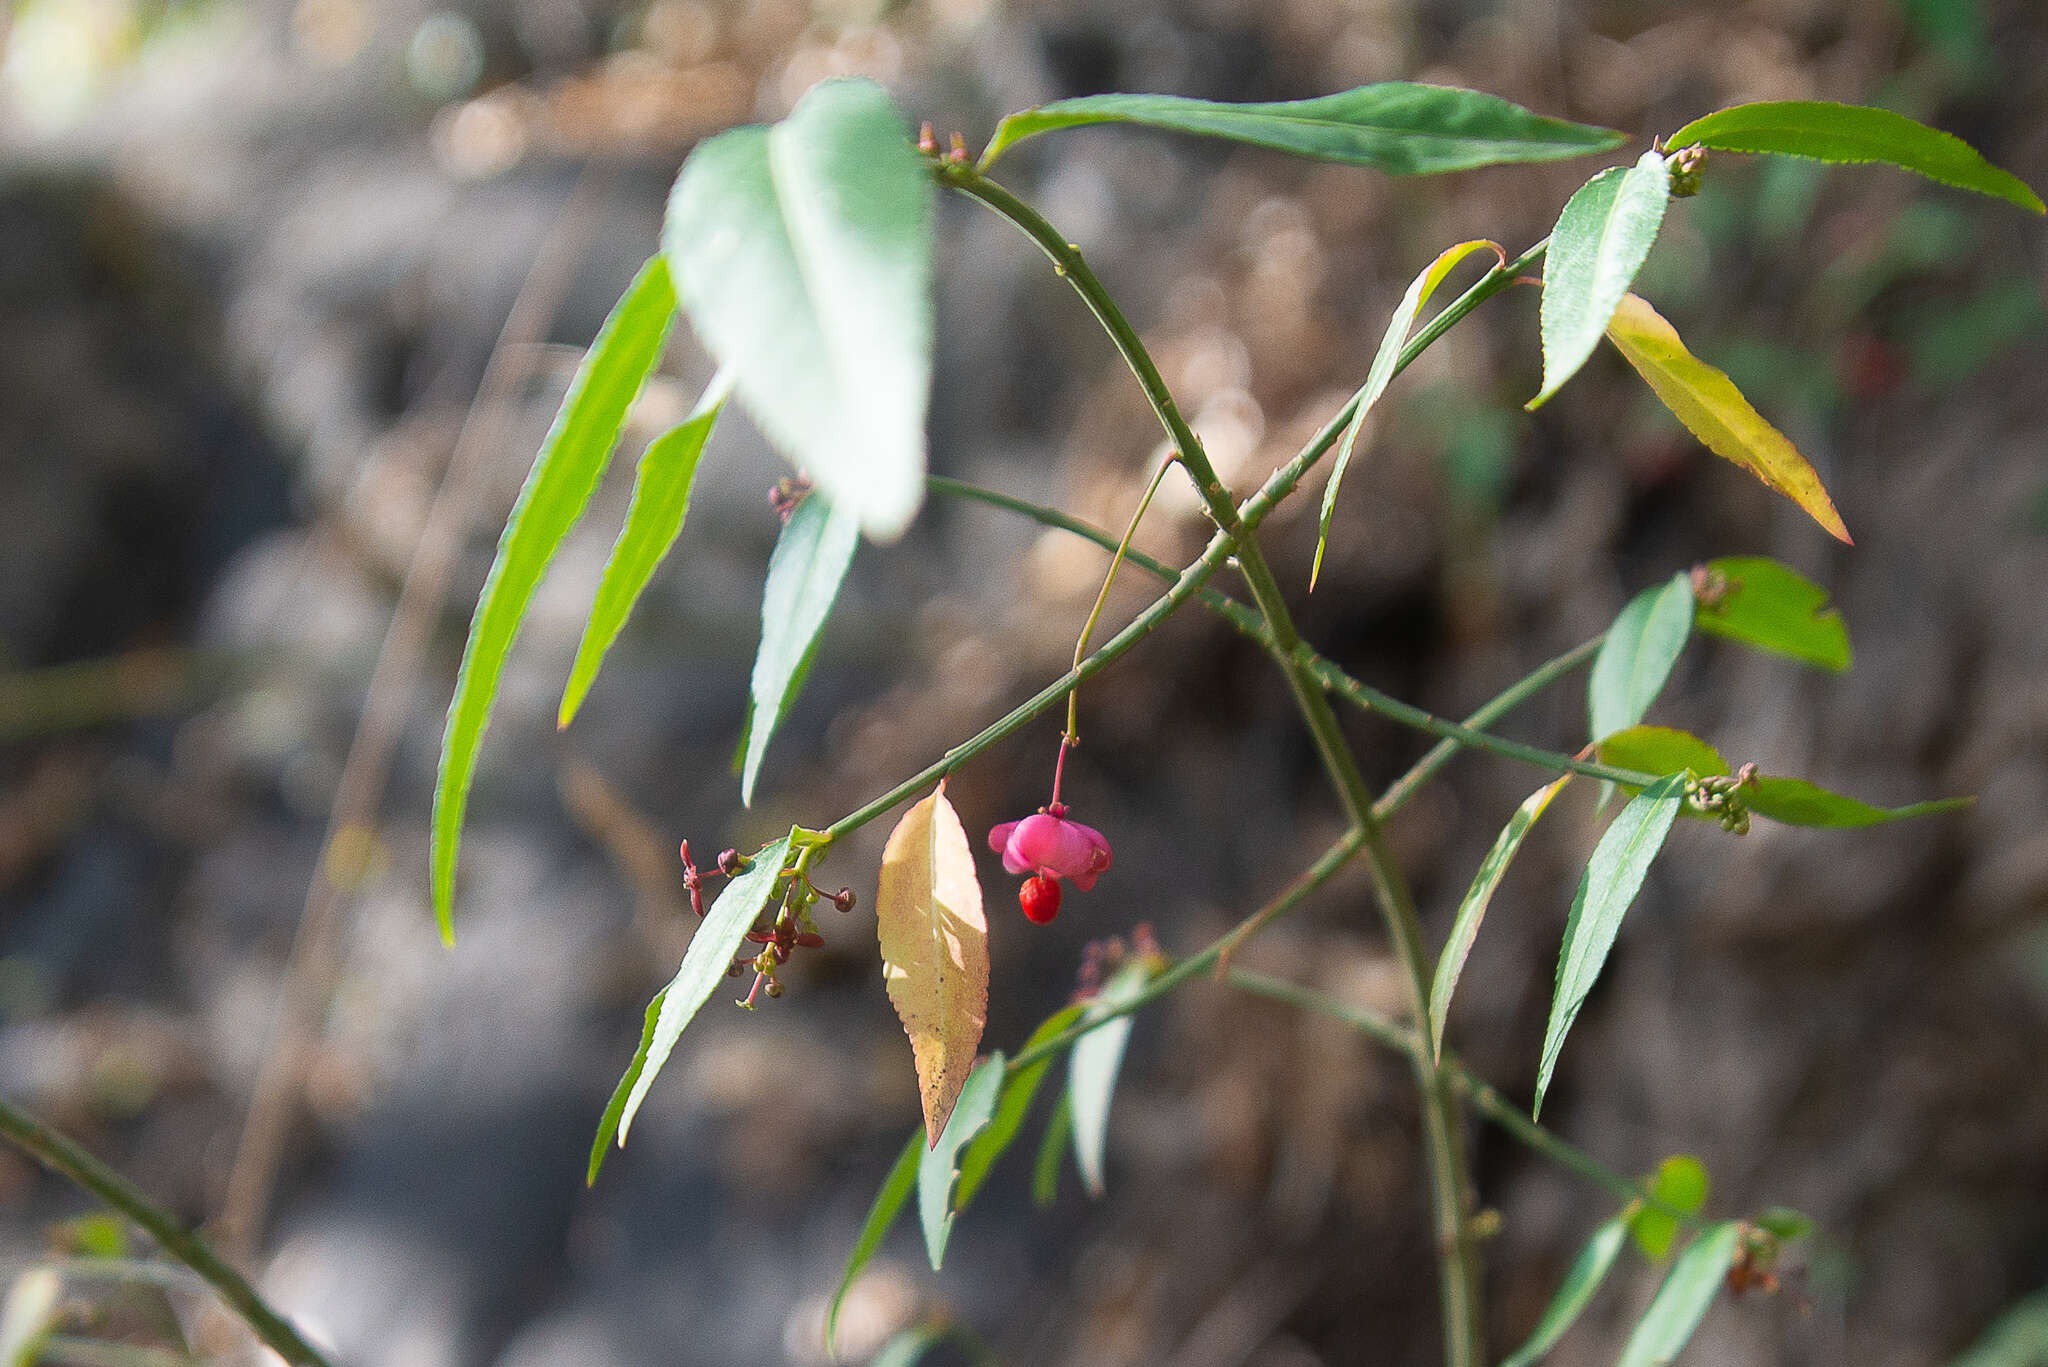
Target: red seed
(1040, 898)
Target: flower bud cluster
(1722, 798)
(780, 934)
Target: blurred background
(288, 292)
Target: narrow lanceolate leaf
(1795, 802)
(1398, 127)
(1574, 1293)
(572, 460)
(1613, 877)
(934, 950)
(804, 575)
(1680, 1185)
(1018, 1093)
(661, 499)
(608, 1125)
(1465, 930)
(888, 1204)
(719, 936)
(1773, 607)
(1854, 133)
(1661, 750)
(1682, 1301)
(804, 254)
(1601, 240)
(1636, 658)
(1713, 409)
(1045, 1169)
(1382, 372)
(1093, 1067)
(938, 1166)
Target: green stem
(1450, 1187)
(1484, 1098)
(64, 1157)
(1456, 735)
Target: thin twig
(64, 1156)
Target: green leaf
(1636, 658)
(804, 575)
(719, 935)
(804, 255)
(1795, 802)
(907, 1347)
(608, 1126)
(1045, 1170)
(888, 1204)
(1601, 240)
(1093, 1067)
(1661, 750)
(1680, 1185)
(1397, 127)
(1471, 911)
(1775, 608)
(1613, 877)
(1682, 1301)
(1784, 1224)
(661, 499)
(1018, 1093)
(1574, 1293)
(2017, 1338)
(1847, 133)
(1382, 373)
(1714, 410)
(572, 460)
(938, 1165)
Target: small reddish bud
(843, 899)
(732, 862)
(1040, 898)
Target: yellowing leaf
(1713, 409)
(934, 950)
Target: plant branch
(1450, 1189)
(1485, 1100)
(64, 1157)
(1456, 735)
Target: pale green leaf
(1773, 607)
(1398, 127)
(804, 575)
(654, 518)
(1847, 133)
(888, 1204)
(572, 460)
(804, 255)
(939, 1165)
(2017, 1338)
(1382, 373)
(1636, 658)
(1018, 1093)
(1601, 240)
(1472, 911)
(1680, 1184)
(1682, 1301)
(1574, 1293)
(1713, 409)
(1092, 1069)
(719, 936)
(1613, 877)
(907, 1347)
(608, 1125)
